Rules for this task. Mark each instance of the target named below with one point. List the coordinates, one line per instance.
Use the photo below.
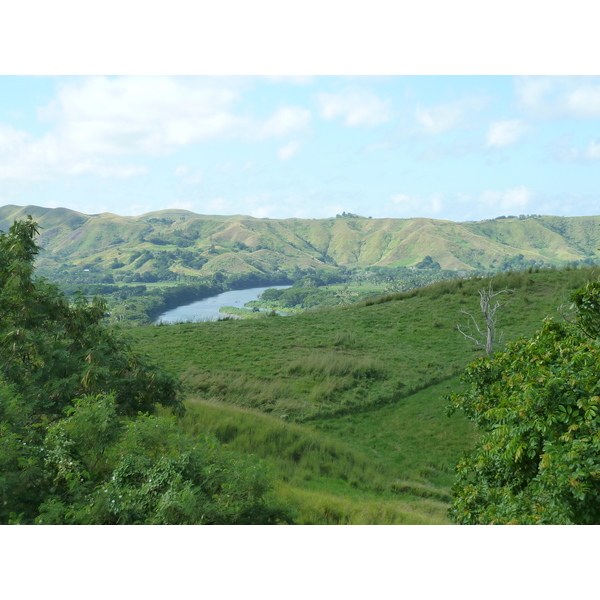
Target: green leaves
(539, 455)
(78, 444)
(145, 471)
(53, 351)
(587, 302)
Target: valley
(348, 404)
(345, 402)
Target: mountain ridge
(241, 243)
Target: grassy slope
(364, 449)
(245, 244)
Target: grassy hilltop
(347, 404)
(179, 243)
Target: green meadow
(346, 405)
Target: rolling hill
(184, 243)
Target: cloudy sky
(446, 147)
(303, 143)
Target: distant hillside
(185, 243)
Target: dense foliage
(53, 351)
(78, 442)
(538, 460)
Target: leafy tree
(537, 404)
(23, 479)
(587, 303)
(428, 263)
(53, 351)
(74, 446)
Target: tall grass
(325, 480)
(364, 385)
(332, 364)
(299, 453)
(322, 508)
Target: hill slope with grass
(347, 405)
(178, 243)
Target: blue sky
(447, 147)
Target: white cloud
(454, 149)
(293, 79)
(259, 205)
(23, 157)
(550, 97)
(511, 199)
(266, 212)
(438, 119)
(531, 92)
(101, 115)
(445, 117)
(356, 108)
(217, 206)
(286, 152)
(593, 150)
(418, 206)
(460, 206)
(584, 102)
(153, 115)
(11, 139)
(567, 153)
(402, 199)
(138, 209)
(488, 204)
(282, 122)
(504, 133)
(95, 121)
(436, 203)
(120, 172)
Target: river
(207, 309)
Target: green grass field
(347, 404)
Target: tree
(485, 339)
(53, 351)
(428, 263)
(78, 442)
(538, 406)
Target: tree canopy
(53, 351)
(79, 440)
(537, 404)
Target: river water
(207, 309)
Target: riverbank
(211, 308)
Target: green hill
(347, 404)
(183, 243)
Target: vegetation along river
(207, 309)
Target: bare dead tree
(485, 337)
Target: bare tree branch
(489, 314)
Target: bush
(538, 405)
(146, 471)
